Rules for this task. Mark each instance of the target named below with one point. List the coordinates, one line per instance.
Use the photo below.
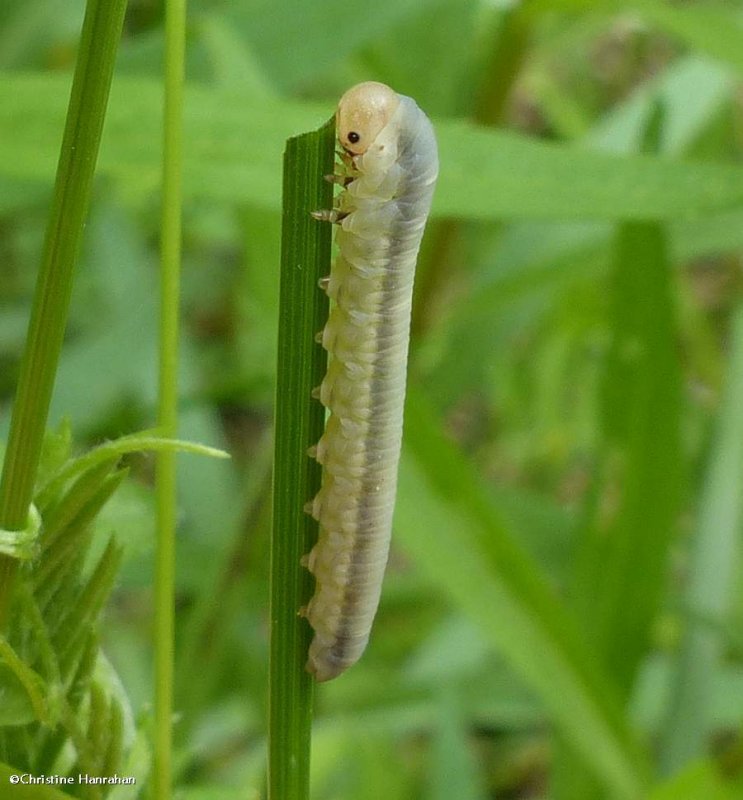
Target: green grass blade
(624, 556)
(143, 441)
(452, 767)
(446, 520)
(75, 170)
(710, 582)
(303, 310)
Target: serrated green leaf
(25, 678)
(79, 619)
(66, 555)
(15, 705)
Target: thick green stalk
(86, 112)
(175, 43)
(303, 308)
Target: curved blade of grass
(133, 443)
(303, 308)
(77, 161)
(446, 520)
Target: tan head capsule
(363, 112)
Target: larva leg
(308, 560)
(346, 159)
(329, 215)
(317, 451)
(339, 179)
(312, 507)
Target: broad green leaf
(234, 153)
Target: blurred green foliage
(574, 454)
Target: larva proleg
(390, 166)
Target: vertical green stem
(86, 112)
(175, 42)
(303, 308)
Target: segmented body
(392, 167)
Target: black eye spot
(354, 137)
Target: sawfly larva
(388, 172)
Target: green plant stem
(86, 111)
(175, 44)
(303, 308)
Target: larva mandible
(390, 166)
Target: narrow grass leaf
(452, 770)
(709, 591)
(623, 559)
(305, 257)
(143, 441)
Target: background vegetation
(562, 613)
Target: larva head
(362, 114)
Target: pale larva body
(392, 168)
